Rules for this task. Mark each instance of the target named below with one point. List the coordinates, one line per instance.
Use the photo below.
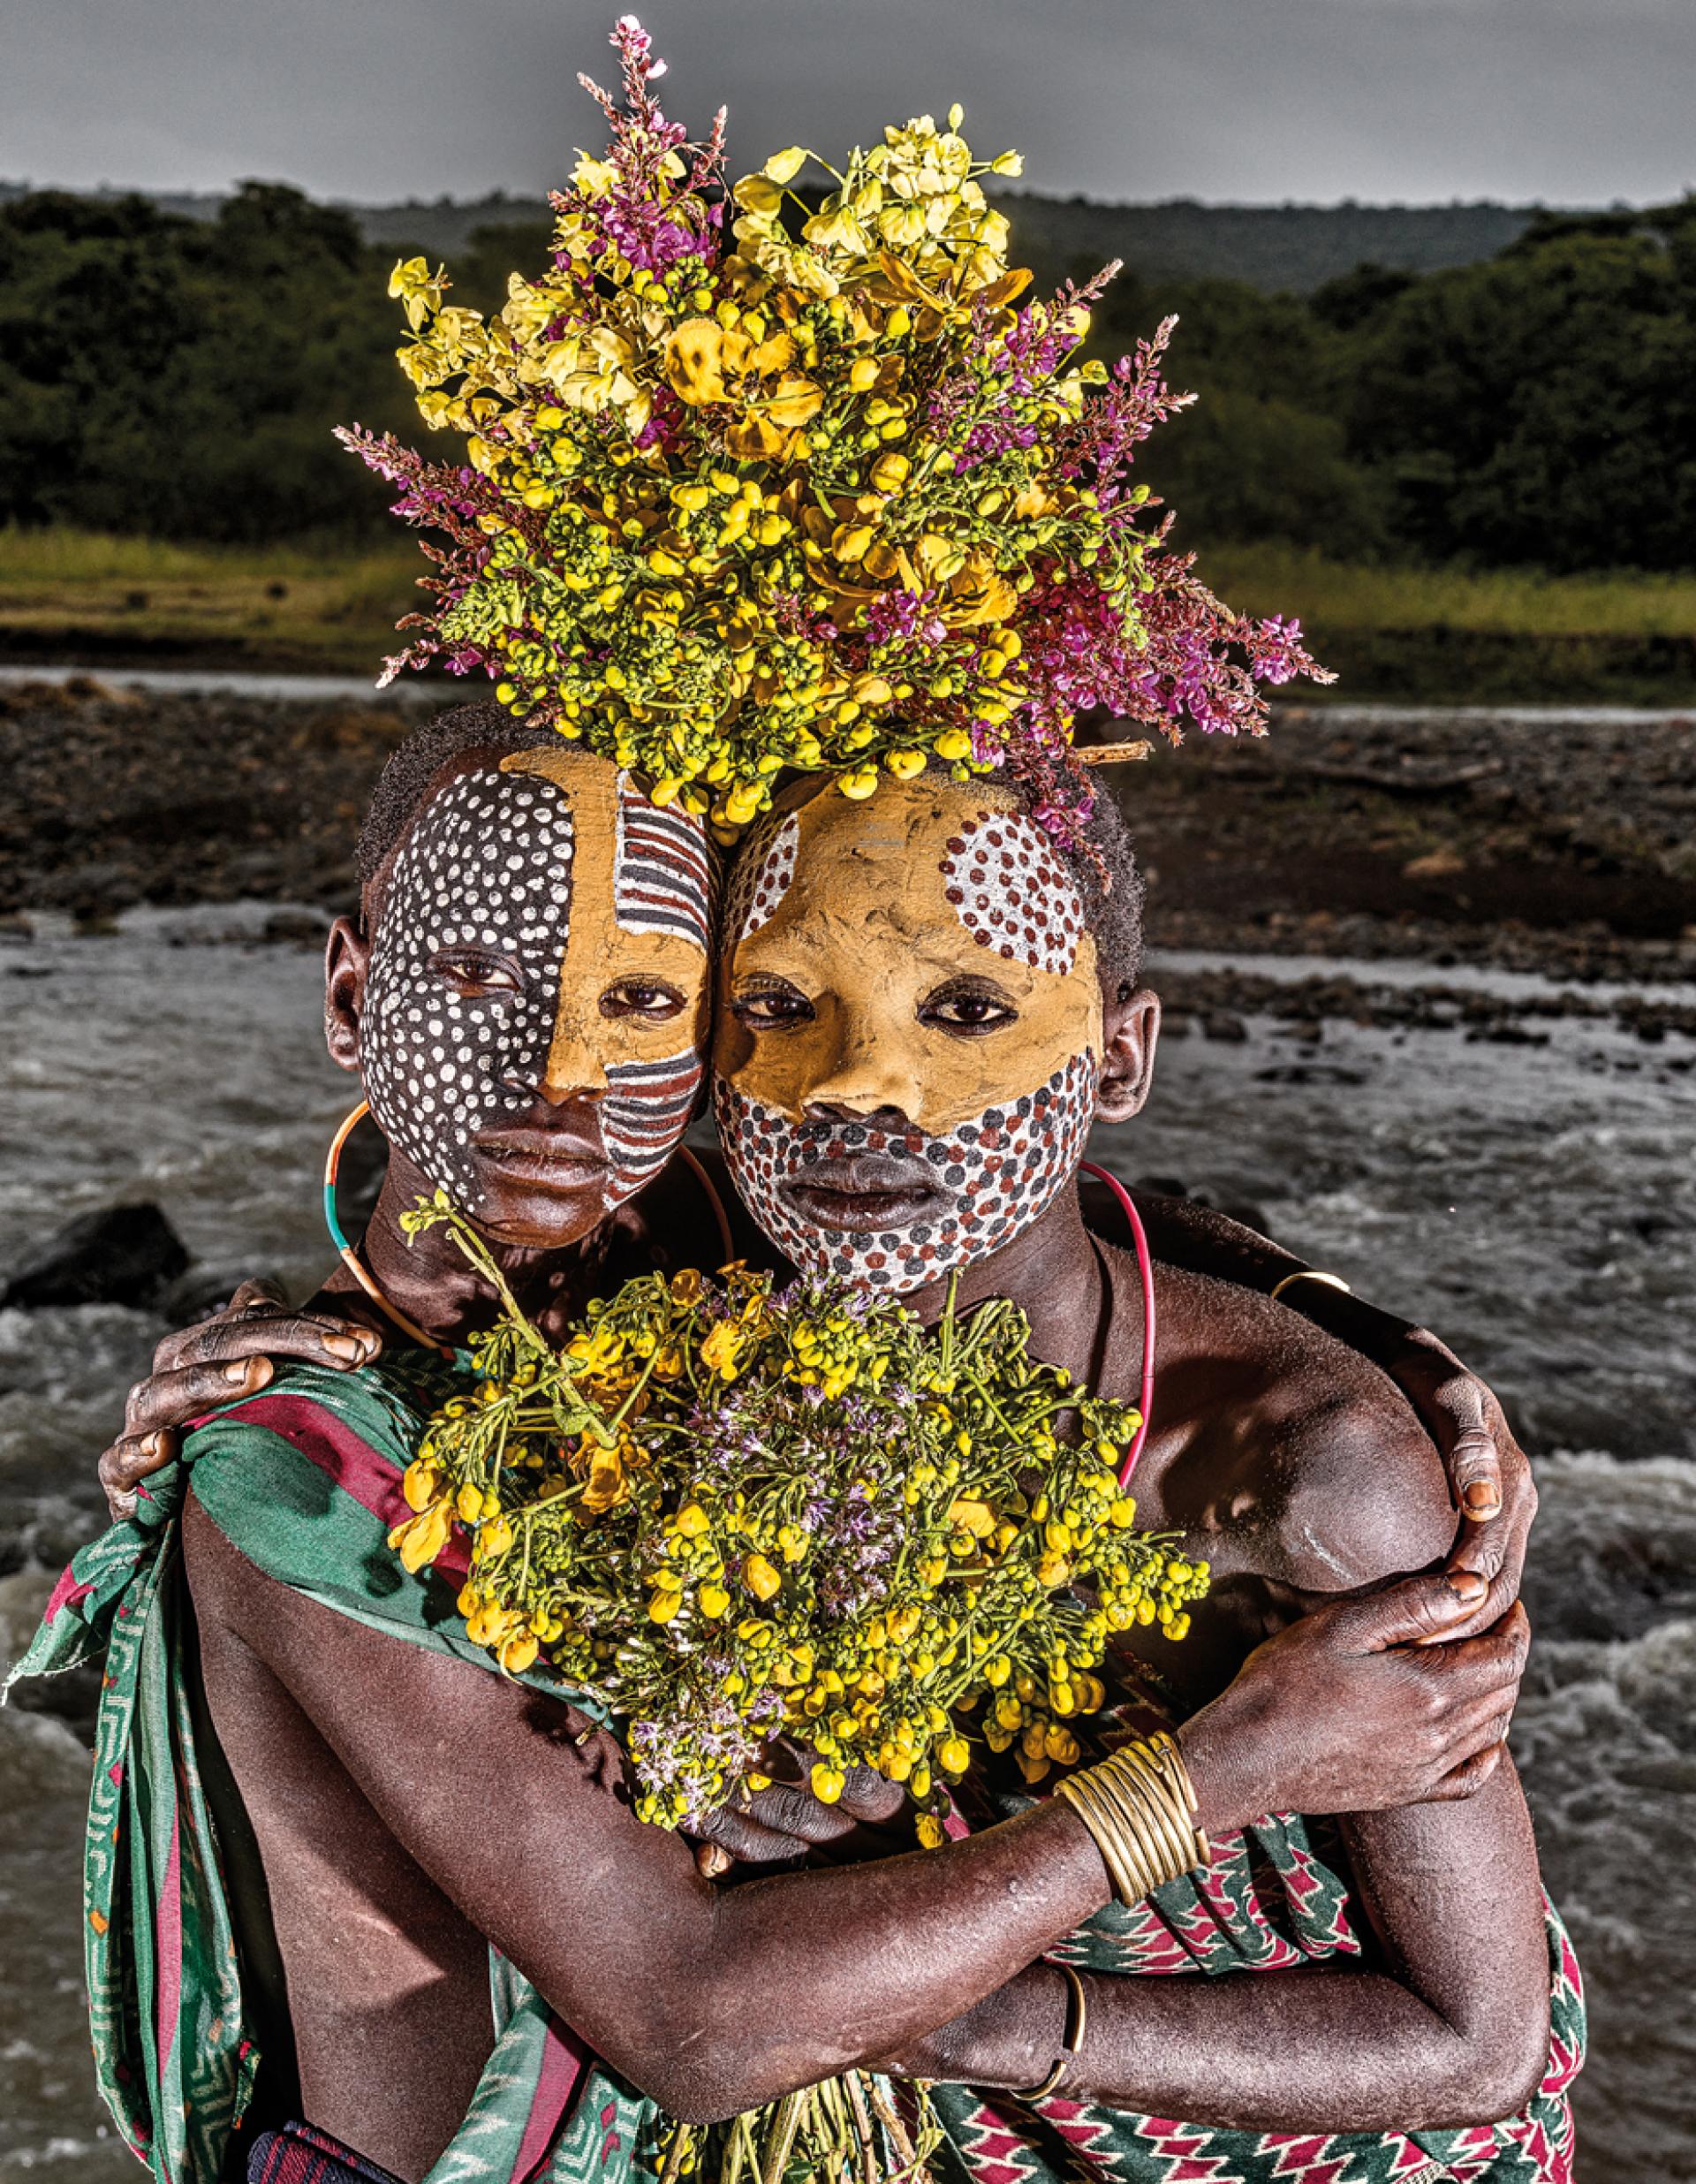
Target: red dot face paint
(906, 1055)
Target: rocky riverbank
(1551, 841)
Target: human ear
(347, 961)
(1130, 1034)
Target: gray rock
(122, 1254)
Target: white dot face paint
(994, 1176)
(762, 876)
(440, 1065)
(1011, 892)
(593, 912)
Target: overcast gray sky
(1575, 102)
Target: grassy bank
(82, 596)
(1500, 637)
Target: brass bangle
(1159, 1801)
(1172, 1753)
(1122, 1782)
(1115, 1850)
(1310, 1274)
(1139, 1805)
(1076, 2020)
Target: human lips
(545, 1159)
(861, 1192)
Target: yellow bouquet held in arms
(768, 474)
(727, 1516)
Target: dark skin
(387, 1874)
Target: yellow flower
(785, 165)
(420, 1483)
(722, 1349)
(761, 1580)
(419, 290)
(422, 1538)
(931, 1833)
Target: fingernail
(236, 1369)
(347, 1346)
(1467, 1585)
(715, 1861)
(154, 1443)
(1481, 1500)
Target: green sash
(305, 1480)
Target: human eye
(773, 1006)
(968, 1008)
(649, 998)
(473, 971)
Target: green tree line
(178, 378)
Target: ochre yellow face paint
(864, 929)
(552, 874)
(642, 910)
(640, 883)
(930, 1034)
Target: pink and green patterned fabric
(305, 1480)
(1272, 1898)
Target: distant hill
(1275, 246)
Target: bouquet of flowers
(810, 493)
(729, 1515)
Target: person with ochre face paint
(922, 1015)
(444, 1802)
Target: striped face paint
(544, 925)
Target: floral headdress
(816, 495)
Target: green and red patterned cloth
(305, 1480)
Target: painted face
(544, 927)
(906, 1062)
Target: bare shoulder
(220, 1576)
(1315, 1443)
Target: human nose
(576, 1066)
(865, 1075)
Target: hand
(1489, 1474)
(213, 1363)
(1361, 1707)
(786, 1822)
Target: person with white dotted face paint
(917, 1036)
(528, 1010)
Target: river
(1535, 1204)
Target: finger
(263, 1289)
(1416, 1610)
(173, 1399)
(713, 1861)
(798, 1815)
(1470, 1456)
(312, 1339)
(123, 1466)
(1468, 1778)
(747, 1842)
(867, 1795)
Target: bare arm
(1447, 2025)
(1489, 1476)
(713, 2001)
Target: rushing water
(1538, 1205)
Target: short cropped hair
(404, 782)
